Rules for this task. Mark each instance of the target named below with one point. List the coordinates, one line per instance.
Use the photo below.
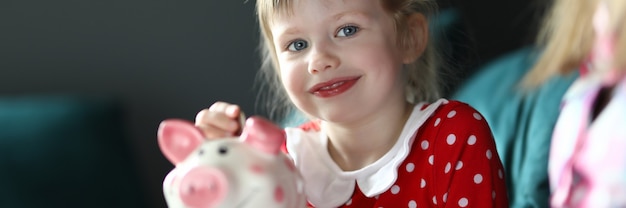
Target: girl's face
(339, 60)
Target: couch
(65, 151)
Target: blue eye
(347, 31)
(298, 45)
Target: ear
(263, 135)
(416, 37)
(178, 138)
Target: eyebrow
(358, 14)
(291, 31)
(336, 17)
(284, 34)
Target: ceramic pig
(248, 171)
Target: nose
(203, 187)
(322, 59)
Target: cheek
(377, 51)
(380, 59)
(292, 77)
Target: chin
(338, 116)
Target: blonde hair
(422, 81)
(567, 37)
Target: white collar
(326, 185)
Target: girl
(587, 166)
(363, 71)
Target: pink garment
(587, 165)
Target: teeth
(332, 86)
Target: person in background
(587, 162)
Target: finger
(230, 110)
(216, 119)
(212, 132)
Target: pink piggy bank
(249, 171)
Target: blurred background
(85, 83)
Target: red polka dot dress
(445, 157)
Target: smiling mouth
(333, 87)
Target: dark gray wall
(162, 58)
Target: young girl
(364, 72)
(587, 165)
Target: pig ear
(178, 138)
(263, 135)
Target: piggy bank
(245, 171)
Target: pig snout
(203, 187)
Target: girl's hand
(220, 120)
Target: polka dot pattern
(451, 139)
(463, 202)
(395, 189)
(412, 204)
(410, 167)
(471, 140)
(478, 178)
(451, 114)
(459, 165)
(477, 116)
(443, 167)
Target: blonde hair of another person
(567, 37)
